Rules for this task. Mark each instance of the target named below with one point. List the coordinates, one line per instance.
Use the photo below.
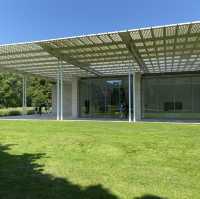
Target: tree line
(11, 90)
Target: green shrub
(14, 112)
(3, 112)
(30, 112)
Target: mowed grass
(101, 160)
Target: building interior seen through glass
(104, 97)
(175, 96)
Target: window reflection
(103, 97)
(174, 96)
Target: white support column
(58, 95)
(129, 94)
(25, 93)
(75, 97)
(24, 103)
(134, 97)
(61, 91)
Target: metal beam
(21, 52)
(26, 58)
(111, 59)
(165, 47)
(177, 52)
(125, 36)
(93, 51)
(167, 37)
(52, 69)
(28, 62)
(38, 65)
(142, 38)
(92, 57)
(90, 46)
(20, 72)
(180, 43)
(155, 47)
(68, 59)
(188, 33)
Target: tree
(38, 90)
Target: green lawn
(99, 160)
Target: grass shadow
(22, 178)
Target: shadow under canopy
(22, 178)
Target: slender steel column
(134, 99)
(58, 94)
(129, 94)
(24, 93)
(61, 91)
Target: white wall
(75, 98)
(54, 99)
(70, 99)
(138, 95)
(67, 99)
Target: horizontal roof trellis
(160, 49)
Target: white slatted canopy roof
(170, 48)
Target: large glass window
(171, 97)
(104, 97)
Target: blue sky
(27, 20)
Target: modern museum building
(145, 73)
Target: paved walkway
(53, 117)
(30, 117)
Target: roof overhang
(160, 49)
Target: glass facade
(103, 97)
(162, 96)
(175, 96)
